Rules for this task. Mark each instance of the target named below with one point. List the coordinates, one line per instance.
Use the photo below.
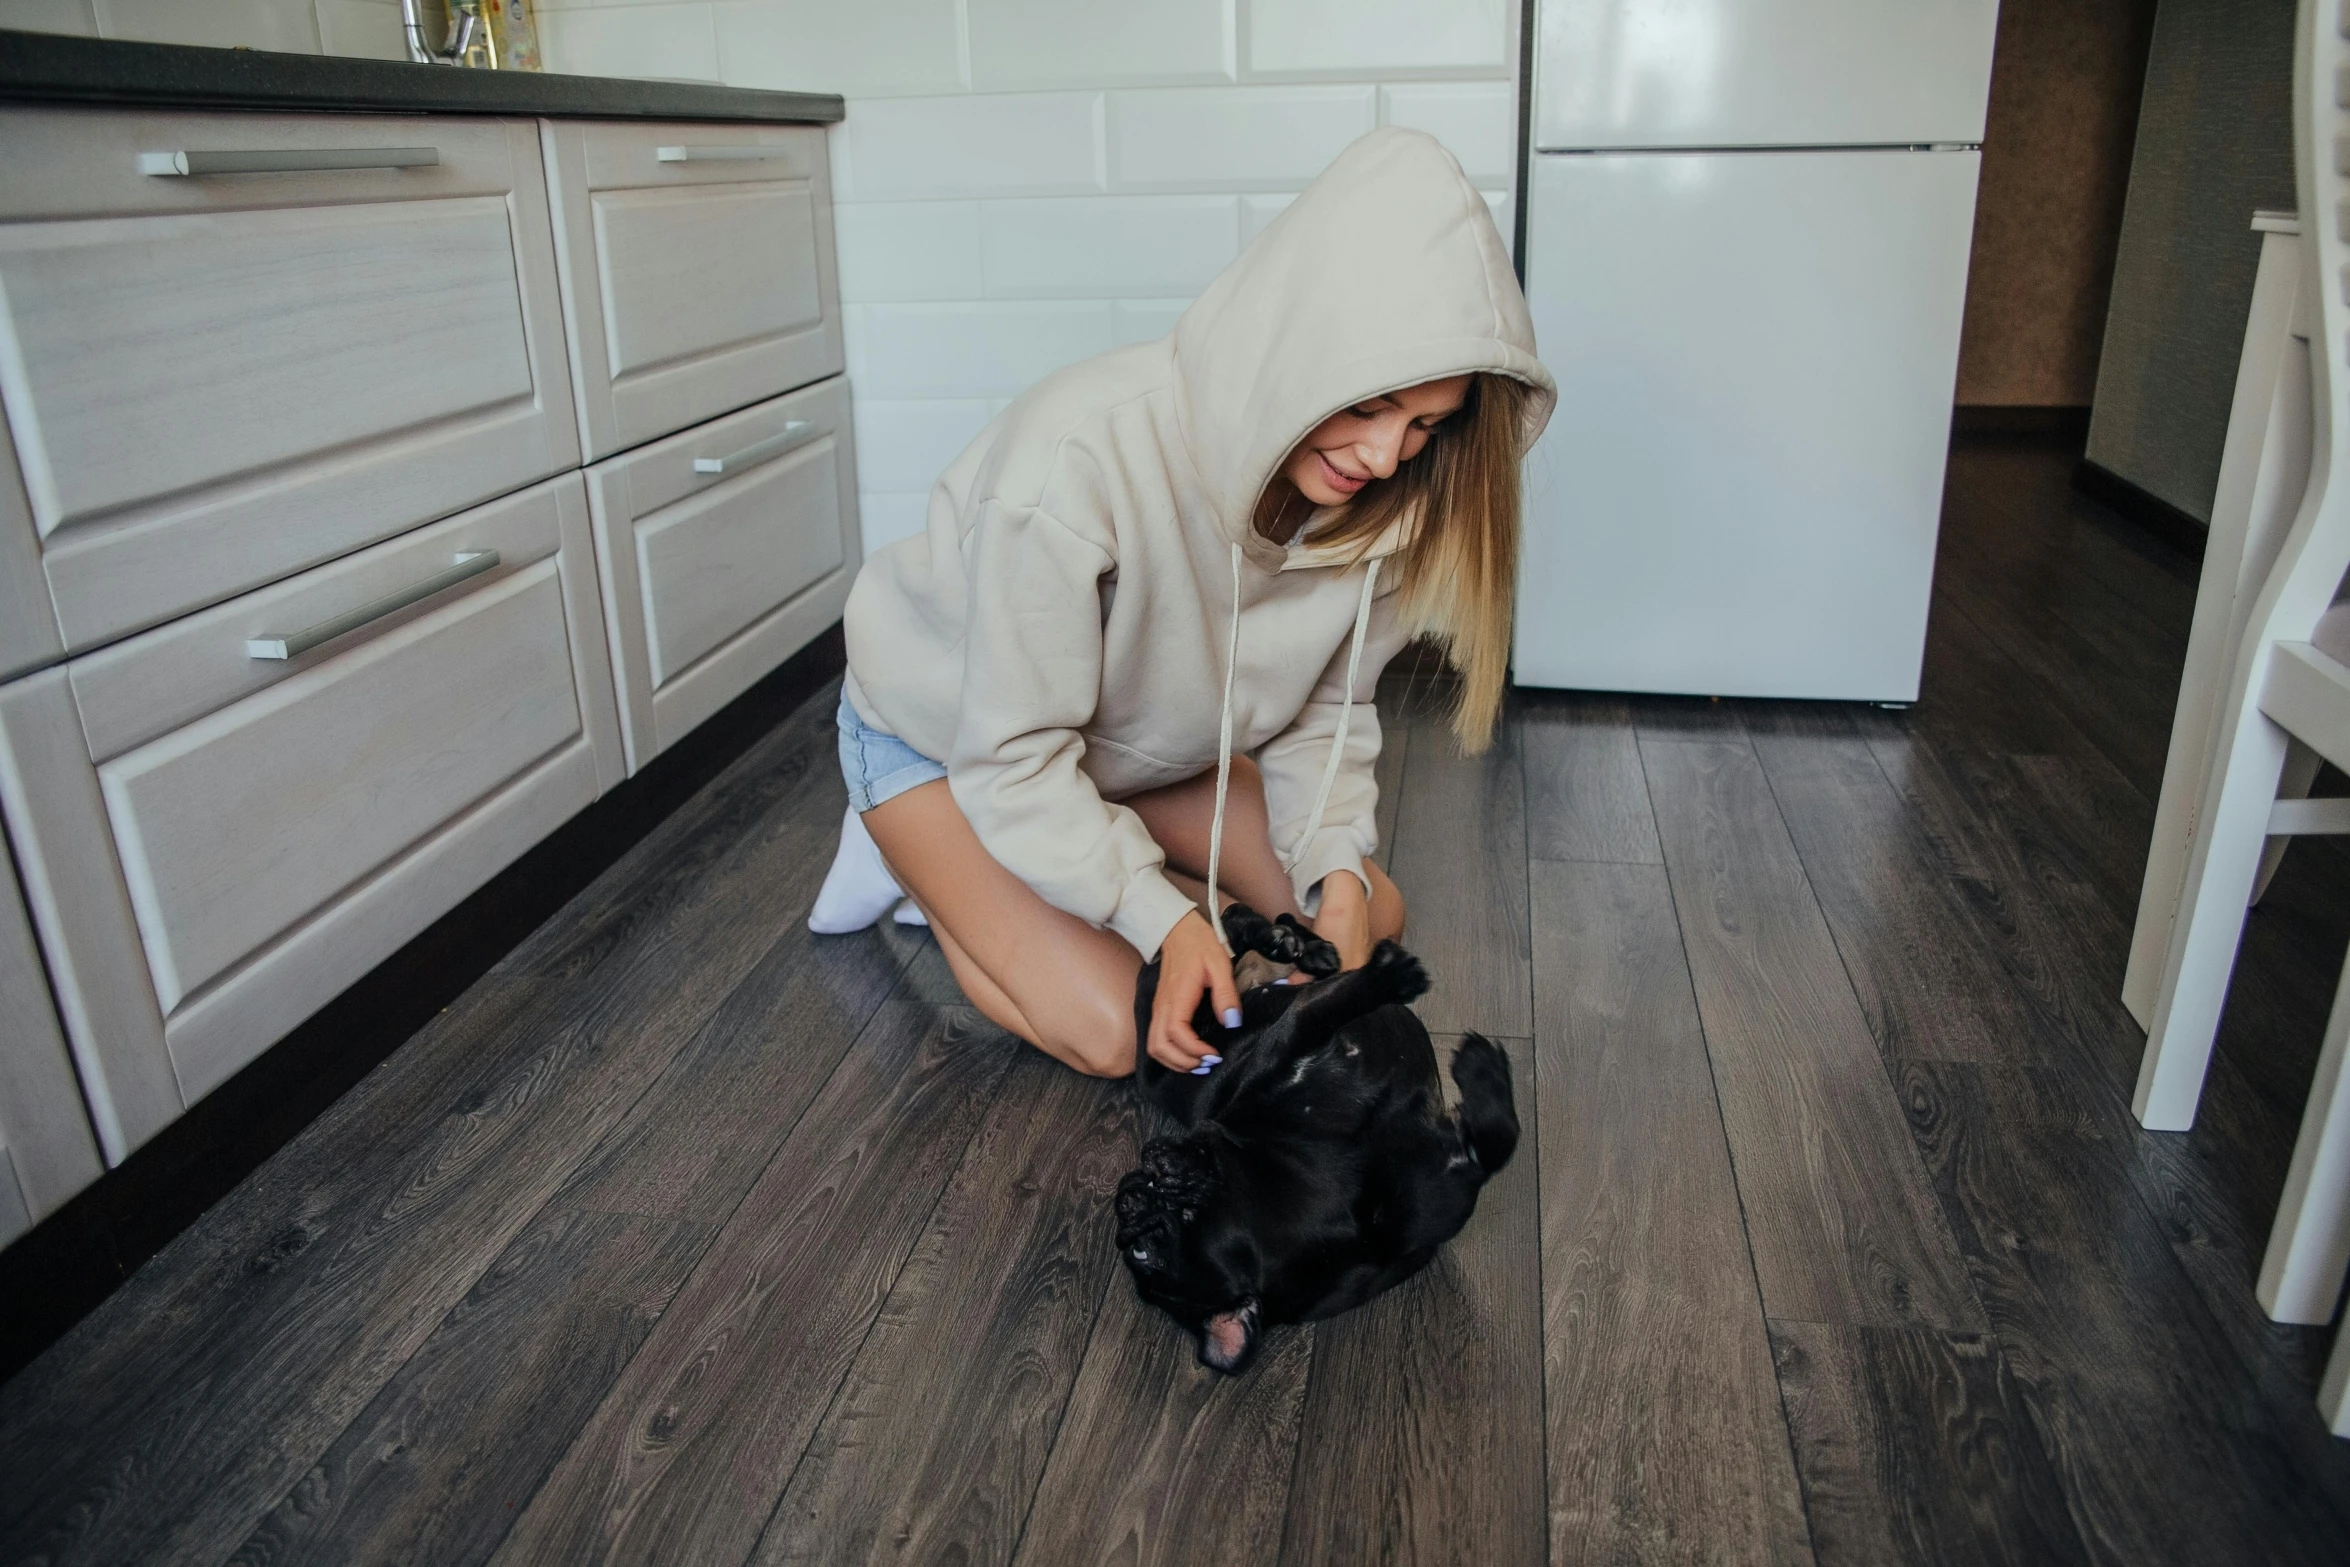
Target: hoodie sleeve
(1032, 672)
(1293, 762)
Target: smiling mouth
(1345, 482)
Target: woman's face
(1370, 440)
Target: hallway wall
(2065, 78)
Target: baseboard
(64, 1267)
(2181, 530)
(2059, 425)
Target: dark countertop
(55, 68)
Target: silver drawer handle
(295, 161)
(720, 154)
(796, 432)
(290, 644)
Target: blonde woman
(1132, 654)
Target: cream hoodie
(1058, 633)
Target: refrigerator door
(1741, 73)
(1739, 492)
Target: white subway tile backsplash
(49, 16)
(980, 349)
(1106, 246)
(885, 519)
(858, 49)
(1145, 320)
(674, 41)
(906, 445)
(900, 250)
(1257, 211)
(363, 29)
(1319, 38)
(290, 26)
(1086, 43)
(997, 144)
(1476, 121)
(1232, 138)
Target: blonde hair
(1460, 568)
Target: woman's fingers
(1192, 964)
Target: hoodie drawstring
(1346, 706)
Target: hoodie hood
(1387, 271)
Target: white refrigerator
(1746, 252)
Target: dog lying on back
(1317, 1166)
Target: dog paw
(1302, 949)
(1398, 975)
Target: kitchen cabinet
(697, 269)
(308, 623)
(723, 550)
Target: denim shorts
(878, 767)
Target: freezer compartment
(1739, 491)
(1736, 73)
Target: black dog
(1317, 1166)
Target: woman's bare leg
(1046, 975)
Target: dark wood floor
(688, 1237)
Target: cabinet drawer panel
(710, 580)
(711, 564)
(690, 272)
(235, 828)
(695, 284)
(216, 380)
(159, 354)
(213, 845)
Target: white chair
(2285, 680)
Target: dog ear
(1155, 1201)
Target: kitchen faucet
(458, 39)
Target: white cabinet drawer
(712, 579)
(46, 1152)
(693, 283)
(219, 844)
(214, 380)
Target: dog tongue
(1227, 1338)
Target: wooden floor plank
(2106, 1333)
(436, 1466)
(1161, 1462)
(1421, 1439)
(1666, 1441)
(228, 1367)
(453, 1445)
(1586, 798)
(1460, 858)
(1901, 923)
(933, 1448)
(1915, 1446)
(1843, 1226)
(686, 1455)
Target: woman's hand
(1192, 963)
(1345, 920)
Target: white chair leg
(2309, 1248)
(2221, 865)
(2333, 1390)
(2301, 765)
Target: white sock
(858, 889)
(910, 913)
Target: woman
(1132, 653)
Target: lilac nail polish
(1211, 1060)
(1199, 1071)
(1232, 1017)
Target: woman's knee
(1387, 906)
(1092, 1031)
